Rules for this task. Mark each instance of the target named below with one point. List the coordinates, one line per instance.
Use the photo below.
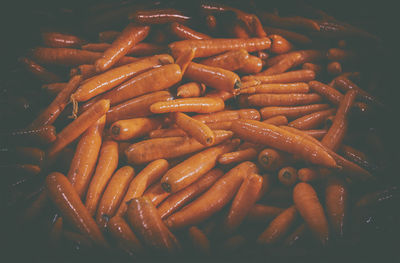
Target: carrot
(108, 36)
(292, 36)
(231, 60)
(280, 44)
(158, 16)
(150, 174)
(299, 87)
(297, 234)
(142, 215)
(307, 203)
(263, 213)
(57, 39)
(107, 80)
(170, 147)
(39, 136)
(213, 200)
(140, 49)
(279, 227)
(286, 77)
(312, 66)
(334, 68)
(295, 22)
(195, 128)
(287, 176)
(54, 88)
(312, 120)
(238, 30)
(184, 32)
(185, 59)
(38, 71)
(156, 193)
(213, 77)
(267, 134)
(190, 90)
(309, 174)
(341, 55)
(179, 199)
(199, 105)
(136, 107)
(250, 83)
(194, 167)
(210, 47)
(252, 65)
(129, 37)
(96, 47)
(336, 201)
(291, 99)
(123, 234)
(222, 94)
(133, 128)
(65, 198)
(164, 133)
(277, 120)
(292, 112)
(357, 157)
(228, 115)
(238, 156)
(51, 113)
(84, 162)
(78, 126)
(245, 198)
(199, 240)
(113, 195)
(317, 134)
(64, 56)
(272, 160)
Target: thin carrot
(158, 16)
(38, 71)
(238, 156)
(39, 136)
(57, 39)
(263, 213)
(199, 240)
(96, 47)
(292, 112)
(133, 128)
(123, 234)
(272, 160)
(228, 115)
(312, 120)
(54, 88)
(190, 90)
(64, 196)
(357, 157)
(156, 193)
(334, 68)
(299, 87)
(310, 209)
(163, 133)
(231, 60)
(184, 32)
(280, 44)
(336, 202)
(222, 94)
(291, 99)
(250, 83)
(194, 128)
(277, 120)
(292, 36)
(252, 65)
(287, 176)
(302, 75)
(199, 105)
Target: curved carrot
(190, 90)
(158, 16)
(199, 105)
(131, 35)
(272, 160)
(96, 47)
(231, 60)
(292, 112)
(64, 196)
(228, 115)
(302, 75)
(57, 39)
(199, 240)
(150, 174)
(287, 176)
(334, 68)
(84, 162)
(291, 99)
(133, 128)
(292, 36)
(336, 201)
(280, 44)
(123, 234)
(252, 65)
(39, 72)
(307, 203)
(312, 120)
(164, 133)
(54, 88)
(194, 128)
(113, 195)
(277, 120)
(263, 213)
(64, 56)
(39, 136)
(184, 32)
(299, 87)
(156, 193)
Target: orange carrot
(292, 112)
(309, 174)
(185, 59)
(302, 75)
(312, 66)
(54, 88)
(263, 213)
(292, 36)
(158, 16)
(272, 160)
(280, 44)
(299, 87)
(291, 99)
(184, 32)
(228, 115)
(336, 201)
(38, 71)
(307, 203)
(190, 90)
(252, 65)
(163, 133)
(238, 156)
(156, 193)
(222, 94)
(287, 176)
(39, 136)
(334, 68)
(199, 240)
(133, 128)
(312, 120)
(277, 120)
(231, 60)
(317, 134)
(123, 234)
(199, 105)
(194, 128)
(57, 39)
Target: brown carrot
(309, 174)
(199, 240)
(334, 68)
(292, 36)
(199, 105)
(222, 94)
(64, 56)
(263, 213)
(190, 90)
(336, 201)
(194, 128)
(312, 120)
(272, 160)
(337, 54)
(140, 49)
(38, 71)
(252, 65)
(231, 60)
(133, 128)
(292, 112)
(164, 133)
(57, 39)
(291, 99)
(228, 115)
(158, 16)
(280, 44)
(277, 120)
(123, 234)
(287, 176)
(317, 134)
(299, 87)
(184, 32)
(156, 193)
(286, 77)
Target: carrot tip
(287, 175)
(265, 159)
(237, 85)
(115, 130)
(166, 187)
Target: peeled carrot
(25, 154)
(185, 59)
(292, 99)
(280, 44)
(231, 60)
(64, 196)
(357, 157)
(190, 90)
(39, 72)
(277, 120)
(194, 128)
(336, 202)
(158, 16)
(238, 156)
(272, 160)
(302, 75)
(163, 133)
(84, 162)
(156, 193)
(57, 39)
(317, 134)
(106, 165)
(287, 176)
(113, 195)
(199, 240)
(299, 87)
(252, 65)
(140, 49)
(263, 213)
(184, 32)
(228, 115)
(56, 230)
(123, 234)
(133, 128)
(307, 203)
(292, 36)
(312, 120)
(312, 66)
(292, 112)
(199, 105)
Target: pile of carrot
(208, 131)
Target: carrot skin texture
(238, 156)
(184, 32)
(63, 195)
(158, 16)
(291, 112)
(231, 60)
(293, 99)
(277, 120)
(278, 88)
(190, 90)
(123, 234)
(156, 193)
(287, 176)
(312, 120)
(228, 115)
(56, 39)
(336, 201)
(133, 128)
(286, 77)
(199, 105)
(195, 128)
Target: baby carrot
(292, 112)
(287, 176)
(194, 128)
(163, 133)
(279, 44)
(291, 99)
(158, 16)
(39, 72)
(64, 196)
(133, 128)
(252, 65)
(279, 227)
(84, 162)
(150, 174)
(113, 195)
(199, 240)
(292, 36)
(123, 234)
(238, 156)
(277, 120)
(131, 35)
(302, 75)
(199, 105)
(54, 88)
(170, 147)
(96, 47)
(156, 193)
(231, 60)
(228, 115)
(64, 56)
(272, 160)
(108, 162)
(57, 39)
(263, 213)
(190, 90)
(184, 32)
(299, 87)
(336, 201)
(213, 200)
(312, 120)
(307, 203)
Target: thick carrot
(252, 65)
(150, 174)
(309, 174)
(78, 126)
(39, 136)
(292, 36)
(194, 128)
(199, 240)
(184, 32)
(228, 115)
(238, 156)
(64, 56)
(156, 193)
(129, 37)
(57, 39)
(334, 68)
(163, 133)
(96, 47)
(107, 80)
(210, 47)
(292, 112)
(113, 195)
(170, 147)
(65, 198)
(312, 120)
(291, 99)
(307, 203)
(142, 215)
(38, 71)
(231, 60)
(84, 162)
(187, 194)
(199, 105)
(137, 107)
(317, 134)
(302, 75)
(267, 134)
(279, 227)
(295, 22)
(280, 44)
(297, 234)
(245, 198)
(123, 234)
(272, 160)
(194, 167)
(190, 90)
(214, 199)
(277, 120)
(213, 77)
(299, 87)
(158, 16)
(133, 128)
(263, 213)
(336, 201)
(108, 162)
(54, 88)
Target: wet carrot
(337, 54)
(131, 35)
(39, 136)
(194, 128)
(252, 65)
(336, 202)
(199, 105)
(213, 200)
(309, 174)
(292, 112)
(297, 234)
(295, 22)
(123, 234)
(280, 44)
(245, 198)
(228, 115)
(312, 66)
(299, 87)
(64, 56)
(179, 199)
(185, 59)
(133, 128)
(150, 174)
(317, 134)
(199, 240)
(106, 165)
(96, 47)
(184, 32)
(54, 88)
(190, 90)
(140, 49)
(158, 16)
(57, 39)
(164, 133)
(357, 157)
(38, 71)
(279, 227)
(113, 195)
(334, 68)
(231, 60)
(290, 99)
(312, 120)
(292, 36)
(287, 176)
(64, 196)
(271, 159)
(108, 36)
(238, 156)
(250, 83)
(222, 94)
(156, 193)
(194, 167)
(263, 213)
(277, 120)
(286, 77)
